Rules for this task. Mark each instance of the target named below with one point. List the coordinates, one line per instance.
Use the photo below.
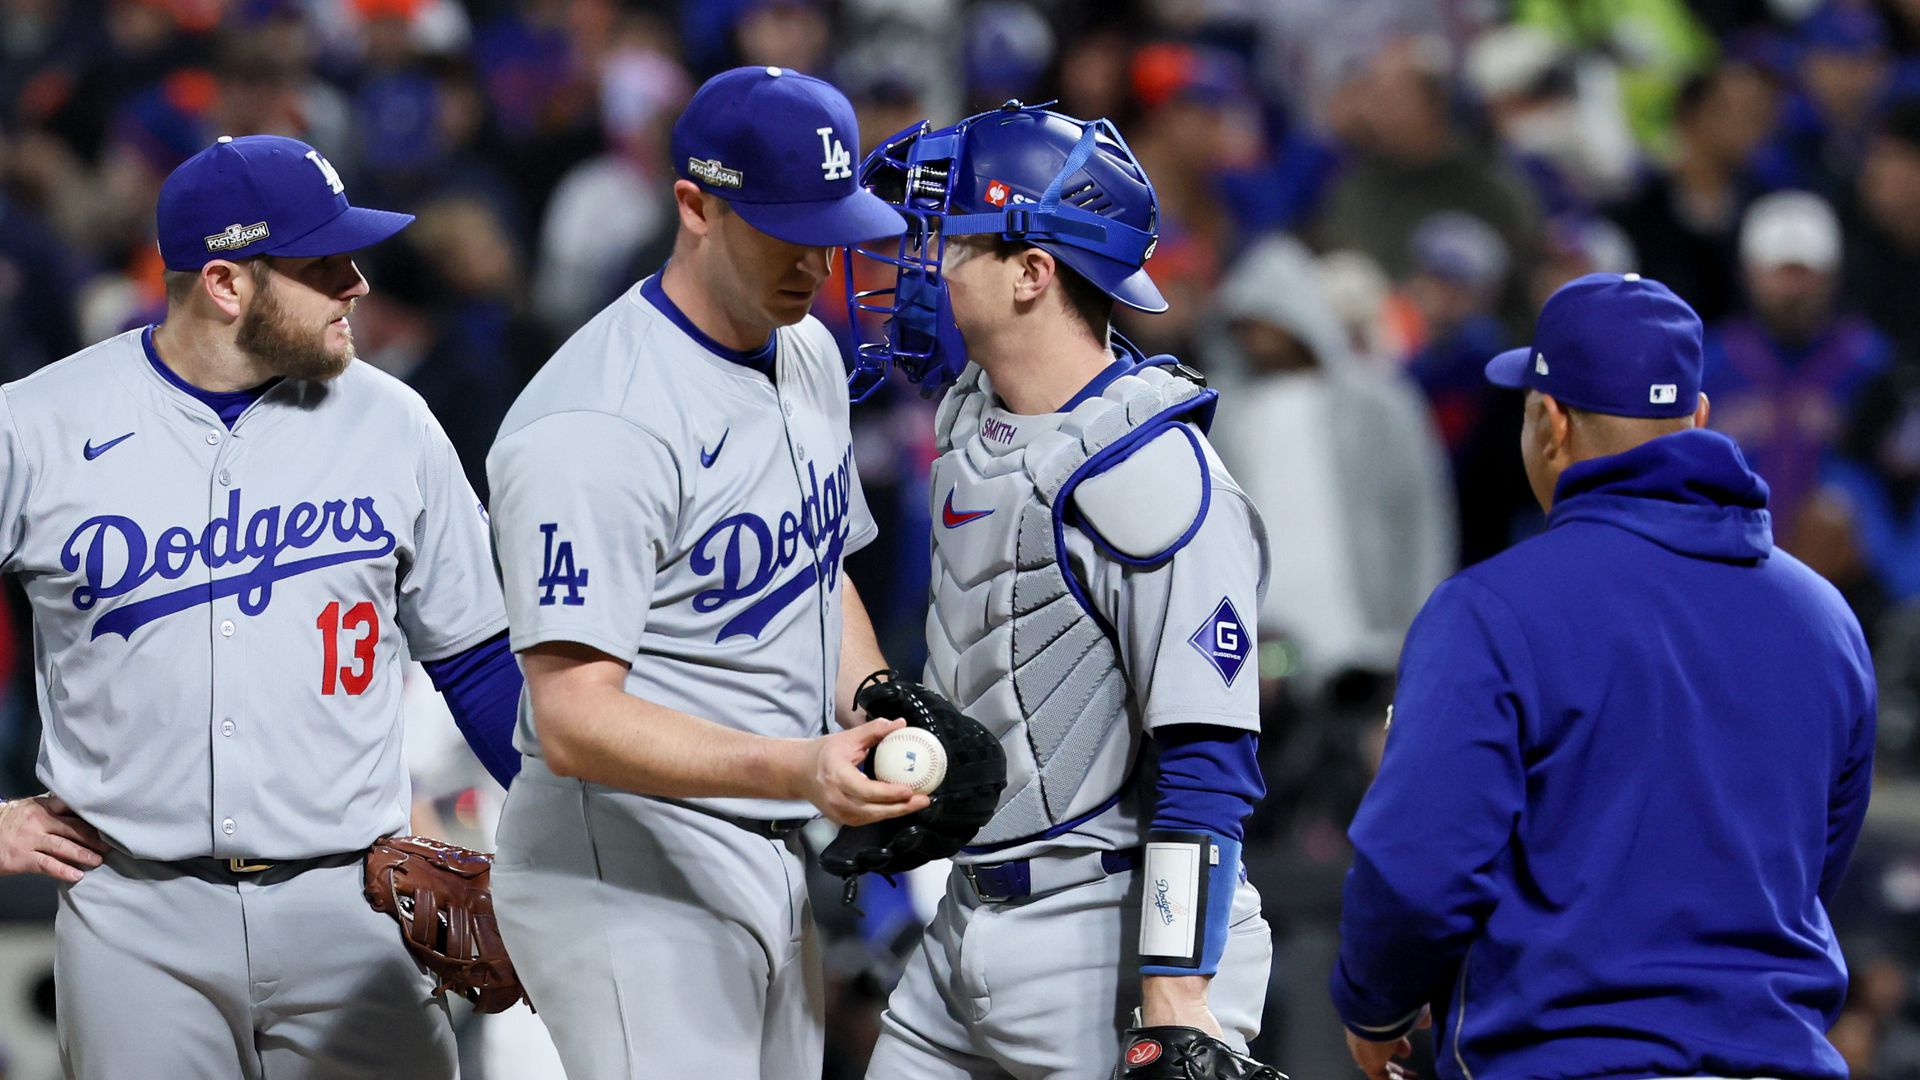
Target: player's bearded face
(290, 345)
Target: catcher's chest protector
(1009, 641)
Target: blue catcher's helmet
(1069, 187)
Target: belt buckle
(984, 896)
(242, 866)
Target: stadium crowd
(1361, 201)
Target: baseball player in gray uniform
(674, 495)
(1092, 564)
(232, 534)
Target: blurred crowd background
(1361, 201)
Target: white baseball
(911, 756)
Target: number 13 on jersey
(363, 623)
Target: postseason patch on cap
(236, 236)
(712, 172)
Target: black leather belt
(771, 828)
(234, 871)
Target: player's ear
(1555, 431)
(1702, 411)
(227, 285)
(697, 208)
(1037, 273)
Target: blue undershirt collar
(760, 359)
(1092, 389)
(226, 404)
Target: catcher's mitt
(443, 899)
(964, 801)
(1184, 1053)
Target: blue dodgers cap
(781, 148)
(1618, 344)
(262, 195)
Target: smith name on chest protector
(1015, 636)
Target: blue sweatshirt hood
(1690, 492)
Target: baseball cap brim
(1509, 369)
(354, 228)
(852, 219)
(1128, 285)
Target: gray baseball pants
(657, 940)
(163, 974)
(1042, 988)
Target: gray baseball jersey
(1175, 625)
(687, 514)
(661, 501)
(220, 615)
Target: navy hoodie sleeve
(1847, 809)
(1441, 813)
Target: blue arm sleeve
(1209, 782)
(482, 688)
(1209, 779)
(1430, 833)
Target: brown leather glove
(442, 896)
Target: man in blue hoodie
(1628, 758)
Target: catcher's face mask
(1003, 173)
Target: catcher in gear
(964, 801)
(1091, 561)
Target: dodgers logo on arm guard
(557, 570)
(110, 544)
(748, 553)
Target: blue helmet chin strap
(921, 337)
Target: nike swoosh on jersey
(953, 519)
(93, 451)
(708, 457)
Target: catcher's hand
(1184, 1053)
(442, 897)
(964, 801)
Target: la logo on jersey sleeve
(558, 570)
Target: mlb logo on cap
(1621, 344)
(778, 146)
(262, 195)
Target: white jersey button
(226, 728)
(213, 438)
(226, 628)
(225, 478)
(227, 826)
(788, 406)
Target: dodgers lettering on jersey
(747, 552)
(220, 616)
(703, 544)
(114, 556)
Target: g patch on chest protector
(1145, 502)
